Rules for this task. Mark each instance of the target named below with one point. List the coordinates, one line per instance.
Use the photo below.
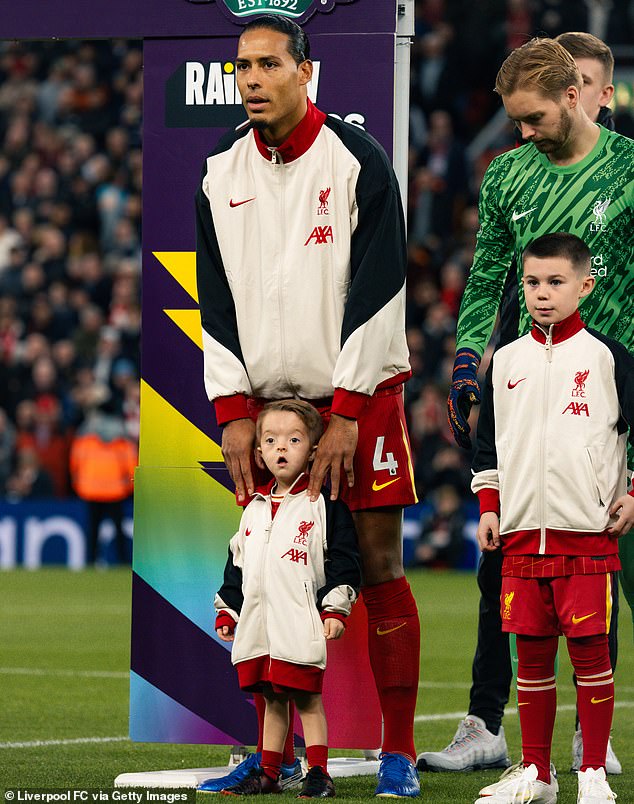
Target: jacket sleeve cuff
(230, 408)
(224, 618)
(348, 403)
(333, 615)
(489, 500)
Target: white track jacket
(301, 264)
(282, 572)
(552, 439)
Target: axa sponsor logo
(599, 210)
(320, 235)
(577, 409)
(296, 556)
(580, 383)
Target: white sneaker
(594, 788)
(511, 775)
(521, 786)
(612, 764)
(473, 747)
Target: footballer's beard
(558, 142)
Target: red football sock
(317, 755)
(288, 756)
(590, 658)
(271, 764)
(260, 708)
(537, 700)
(394, 648)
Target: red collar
(299, 140)
(560, 332)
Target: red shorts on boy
(282, 676)
(383, 471)
(573, 605)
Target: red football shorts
(573, 605)
(383, 470)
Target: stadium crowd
(70, 234)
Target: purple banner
(104, 19)
(185, 514)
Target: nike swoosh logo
(601, 700)
(247, 532)
(576, 619)
(510, 385)
(523, 703)
(389, 630)
(233, 203)
(517, 215)
(378, 486)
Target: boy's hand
(225, 633)
(625, 505)
(488, 532)
(333, 628)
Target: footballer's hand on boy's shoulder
(225, 633)
(488, 532)
(623, 509)
(333, 628)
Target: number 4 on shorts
(379, 462)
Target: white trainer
(511, 775)
(612, 764)
(521, 786)
(594, 788)
(473, 747)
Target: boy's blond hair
(306, 412)
(542, 65)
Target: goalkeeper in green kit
(573, 176)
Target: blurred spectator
(441, 541)
(29, 481)
(102, 463)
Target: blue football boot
(398, 777)
(237, 775)
(290, 776)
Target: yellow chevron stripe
(182, 266)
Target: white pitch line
(76, 741)
(36, 671)
(508, 712)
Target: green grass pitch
(64, 655)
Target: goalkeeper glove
(464, 392)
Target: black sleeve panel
(217, 309)
(343, 562)
(485, 456)
(231, 589)
(624, 378)
(378, 247)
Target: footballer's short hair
(582, 45)
(542, 65)
(298, 44)
(306, 412)
(561, 244)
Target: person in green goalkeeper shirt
(573, 176)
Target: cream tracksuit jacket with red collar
(301, 264)
(551, 442)
(282, 572)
